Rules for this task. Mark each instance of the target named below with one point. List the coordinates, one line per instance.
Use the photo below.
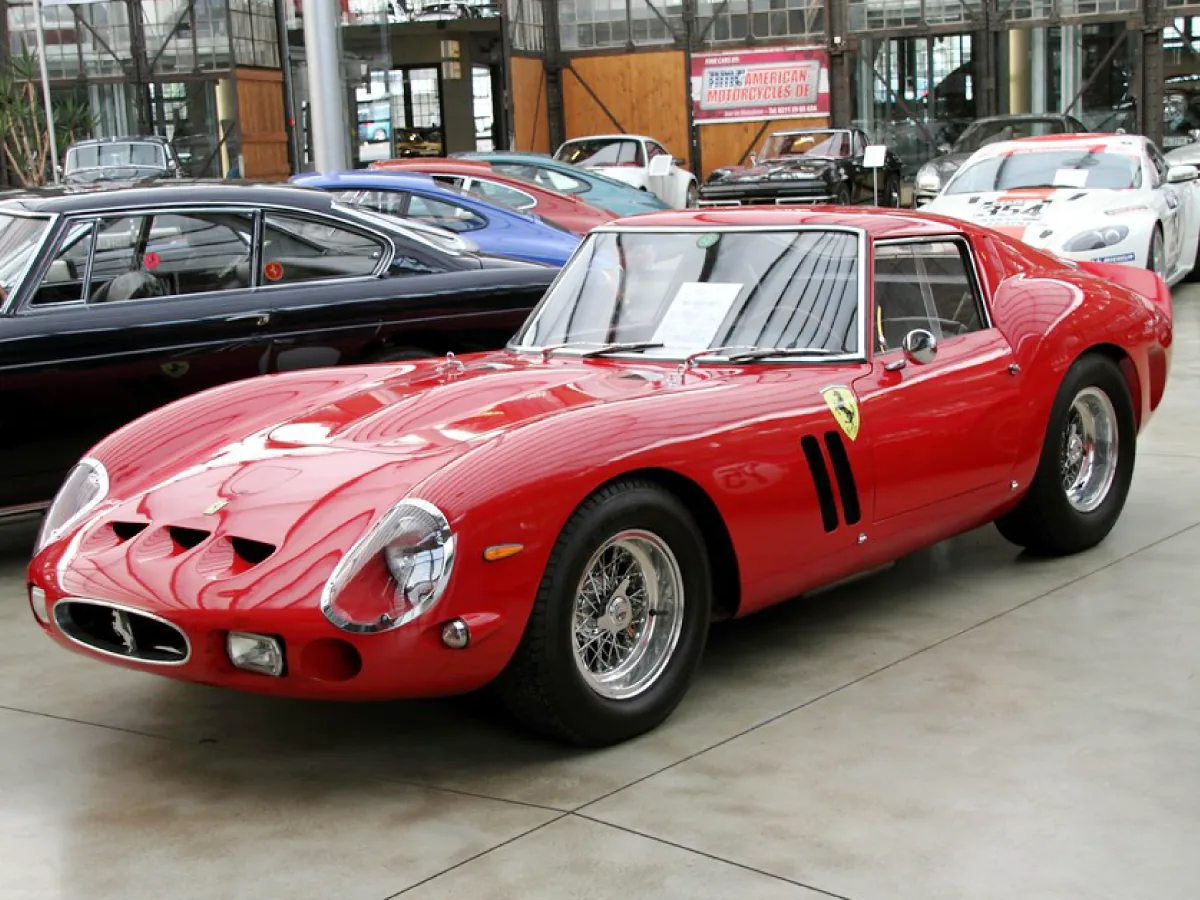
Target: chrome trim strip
(23, 509)
(187, 644)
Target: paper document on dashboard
(696, 313)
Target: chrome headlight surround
(928, 178)
(415, 544)
(1097, 238)
(85, 487)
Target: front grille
(122, 632)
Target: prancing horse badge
(844, 406)
(175, 369)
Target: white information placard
(875, 156)
(1071, 178)
(695, 315)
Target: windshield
(602, 152)
(693, 290)
(122, 153)
(1048, 168)
(982, 133)
(828, 144)
(20, 239)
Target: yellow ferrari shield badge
(175, 369)
(844, 406)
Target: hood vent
(127, 531)
(251, 552)
(187, 538)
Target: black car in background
(817, 165)
(932, 176)
(117, 302)
(119, 161)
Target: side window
(390, 203)
(502, 194)
(170, 254)
(449, 216)
(296, 250)
(64, 281)
(923, 285)
(860, 144)
(454, 181)
(655, 149)
(1158, 165)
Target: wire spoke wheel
(1088, 457)
(628, 614)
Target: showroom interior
(326, 444)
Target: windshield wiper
(768, 352)
(619, 347)
(596, 349)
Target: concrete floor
(969, 725)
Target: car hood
(1187, 155)
(772, 169)
(269, 449)
(1042, 217)
(947, 164)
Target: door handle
(257, 318)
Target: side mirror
(944, 148)
(1178, 174)
(920, 346)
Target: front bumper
(779, 193)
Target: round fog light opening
(456, 635)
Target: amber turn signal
(502, 551)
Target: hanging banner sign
(773, 83)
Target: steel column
(327, 104)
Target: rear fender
(1140, 281)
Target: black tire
(1045, 522)
(891, 192)
(401, 354)
(543, 686)
(841, 195)
(1156, 248)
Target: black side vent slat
(252, 552)
(820, 477)
(127, 531)
(187, 538)
(844, 475)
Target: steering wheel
(949, 327)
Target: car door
(1170, 201)
(864, 178)
(126, 313)
(943, 433)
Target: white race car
(1101, 197)
(638, 161)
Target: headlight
(928, 178)
(1097, 239)
(85, 487)
(397, 572)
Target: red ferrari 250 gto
(709, 413)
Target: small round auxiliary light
(456, 635)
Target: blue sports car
(591, 187)
(495, 230)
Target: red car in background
(483, 181)
(709, 413)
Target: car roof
(1026, 117)
(123, 139)
(169, 192)
(396, 179)
(879, 223)
(1126, 142)
(611, 137)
